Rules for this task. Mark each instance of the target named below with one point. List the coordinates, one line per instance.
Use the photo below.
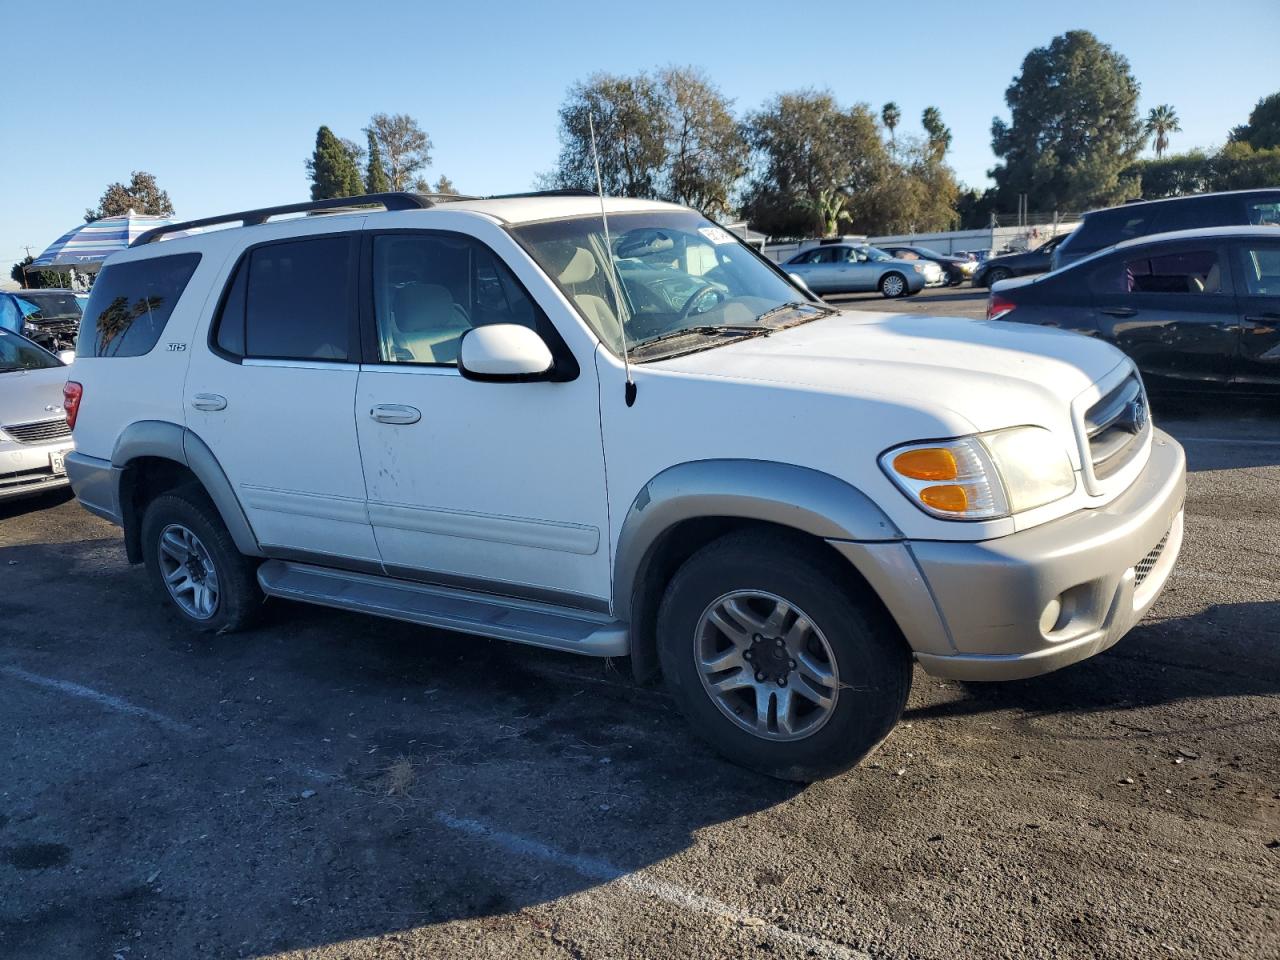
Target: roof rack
(250, 218)
(562, 192)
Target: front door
(498, 487)
(1258, 289)
(274, 399)
(1172, 309)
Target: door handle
(1119, 311)
(1267, 320)
(395, 413)
(209, 401)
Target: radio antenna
(630, 390)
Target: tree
(1073, 128)
(142, 195)
(889, 116)
(1240, 167)
(36, 279)
(938, 133)
(805, 147)
(332, 168)
(631, 130)
(406, 149)
(1161, 121)
(1174, 175)
(706, 152)
(375, 175)
(444, 185)
(1262, 132)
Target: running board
(503, 618)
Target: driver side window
(431, 288)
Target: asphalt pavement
(334, 786)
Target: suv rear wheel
(776, 661)
(193, 561)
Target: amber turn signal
(949, 497)
(927, 463)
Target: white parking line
(605, 872)
(1244, 441)
(100, 698)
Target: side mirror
(67, 356)
(504, 352)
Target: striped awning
(87, 245)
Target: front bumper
(26, 470)
(1040, 599)
(1058, 593)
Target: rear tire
(850, 654)
(194, 563)
(893, 285)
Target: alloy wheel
(188, 571)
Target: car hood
(988, 374)
(28, 395)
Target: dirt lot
(334, 786)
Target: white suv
(425, 412)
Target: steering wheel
(698, 296)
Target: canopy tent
(83, 248)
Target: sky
(221, 101)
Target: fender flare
(780, 493)
(171, 441)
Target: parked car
(34, 436)
(994, 269)
(955, 270)
(852, 267)
(49, 317)
(1129, 221)
(468, 414)
(1197, 309)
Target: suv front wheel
(777, 660)
(193, 561)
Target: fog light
(1049, 618)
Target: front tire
(777, 660)
(996, 275)
(194, 563)
(893, 285)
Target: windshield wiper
(706, 330)
(792, 305)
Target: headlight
(917, 268)
(982, 477)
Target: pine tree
(375, 179)
(333, 172)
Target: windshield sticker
(716, 235)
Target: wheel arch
(688, 505)
(155, 456)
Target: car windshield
(48, 306)
(678, 276)
(931, 254)
(18, 353)
(874, 254)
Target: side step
(503, 618)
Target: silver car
(34, 436)
(850, 267)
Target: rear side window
(1193, 214)
(1184, 271)
(1264, 212)
(290, 301)
(131, 303)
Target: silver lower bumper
(96, 484)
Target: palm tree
(1161, 121)
(890, 115)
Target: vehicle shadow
(1224, 651)
(25, 505)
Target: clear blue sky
(221, 100)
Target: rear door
(274, 396)
(1171, 308)
(1257, 264)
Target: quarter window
(131, 303)
(431, 288)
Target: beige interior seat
(580, 270)
(428, 323)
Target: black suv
(1018, 264)
(1103, 228)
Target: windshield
(49, 306)
(18, 353)
(677, 272)
(874, 254)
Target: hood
(28, 395)
(987, 374)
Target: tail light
(998, 307)
(71, 394)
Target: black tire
(995, 275)
(866, 645)
(239, 598)
(886, 280)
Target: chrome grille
(1116, 426)
(41, 431)
(1148, 563)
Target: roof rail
(250, 218)
(562, 192)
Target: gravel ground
(334, 786)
